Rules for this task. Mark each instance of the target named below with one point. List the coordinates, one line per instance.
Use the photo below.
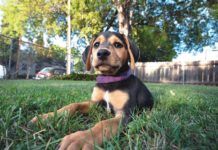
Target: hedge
(76, 76)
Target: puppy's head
(109, 51)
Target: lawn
(183, 117)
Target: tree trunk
(28, 71)
(124, 16)
(123, 20)
(18, 57)
(29, 64)
(68, 67)
(10, 58)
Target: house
(208, 54)
(2, 71)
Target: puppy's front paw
(32, 122)
(35, 119)
(76, 141)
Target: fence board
(196, 72)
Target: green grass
(183, 117)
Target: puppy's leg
(85, 140)
(82, 107)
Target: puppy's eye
(118, 45)
(96, 45)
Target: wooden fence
(197, 72)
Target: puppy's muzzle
(102, 54)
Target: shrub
(76, 76)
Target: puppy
(113, 57)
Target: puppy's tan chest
(116, 98)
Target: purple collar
(112, 79)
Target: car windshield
(47, 69)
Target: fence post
(208, 73)
(214, 72)
(183, 73)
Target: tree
(69, 56)
(187, 23)
(123, 16)
(4, 50)
(15, 22)
(57, 52)
(153, 43)
(213, 5)
(183, 25)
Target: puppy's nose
(103, 53)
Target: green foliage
(76, 76)
(4, 50)
(31, 18)
(85, 18)
(78, 64)
(186, 120)
(154, 44)
(174, 21)
(15, 17)
(187, 23)
(77, 61)
(57, 52)
(214, 10)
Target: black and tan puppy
(113, 56)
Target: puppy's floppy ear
(89, 53)
(85, 54)
(133, 52)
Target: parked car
(3, 72)
(48, 72)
